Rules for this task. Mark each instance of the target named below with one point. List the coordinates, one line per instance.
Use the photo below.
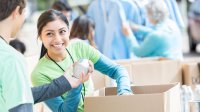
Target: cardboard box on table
(150, 72)
(156, 72)
(148, 98)
(194, 106)
(144, 72)
(99, 80)
(191, 75)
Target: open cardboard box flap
(148, 98)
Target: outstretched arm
(115, 71)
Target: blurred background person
(174, 13)
(65, 8)
(134, 12)
(162, 41)
(83, 28)
(18, 45)
(194, 20)
(109, 17)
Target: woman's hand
(75, 82)
(134, 26)
(128, 93)
(126, 29)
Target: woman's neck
(56, 57)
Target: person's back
(169, 35)
(175, 14)
(12, 78)
(163, 40)
(107, 14)
(15, 92)
(134, 13)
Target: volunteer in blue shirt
(109, 40)
(164, 40)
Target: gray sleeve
(28, 107)
(56, 88)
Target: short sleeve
(15, 85)
(87, 51)
(38, 78)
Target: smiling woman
(53, 30)
(55, 39)
(16, 95)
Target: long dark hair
(81, 29)
(46, 17)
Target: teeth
(58, 45)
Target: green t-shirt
(46, 70)
(14, 85)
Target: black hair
(18, 45)
(81, 29)
(60, 6)
(46, 17)
(8, 6)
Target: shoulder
(37, 74)
(156, 35)
(77, 44)
(11, 56)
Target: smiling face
(55, 37)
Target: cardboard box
(194, 107)
(99, 80)
(156, 72)
(149, 98)
(147, 59)
(146, 72)
(153, 72)
(191, 75)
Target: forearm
(70, 103)
(56, 88)
(132, 43)
(123, 80)
(28, 107)
(115, 71)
